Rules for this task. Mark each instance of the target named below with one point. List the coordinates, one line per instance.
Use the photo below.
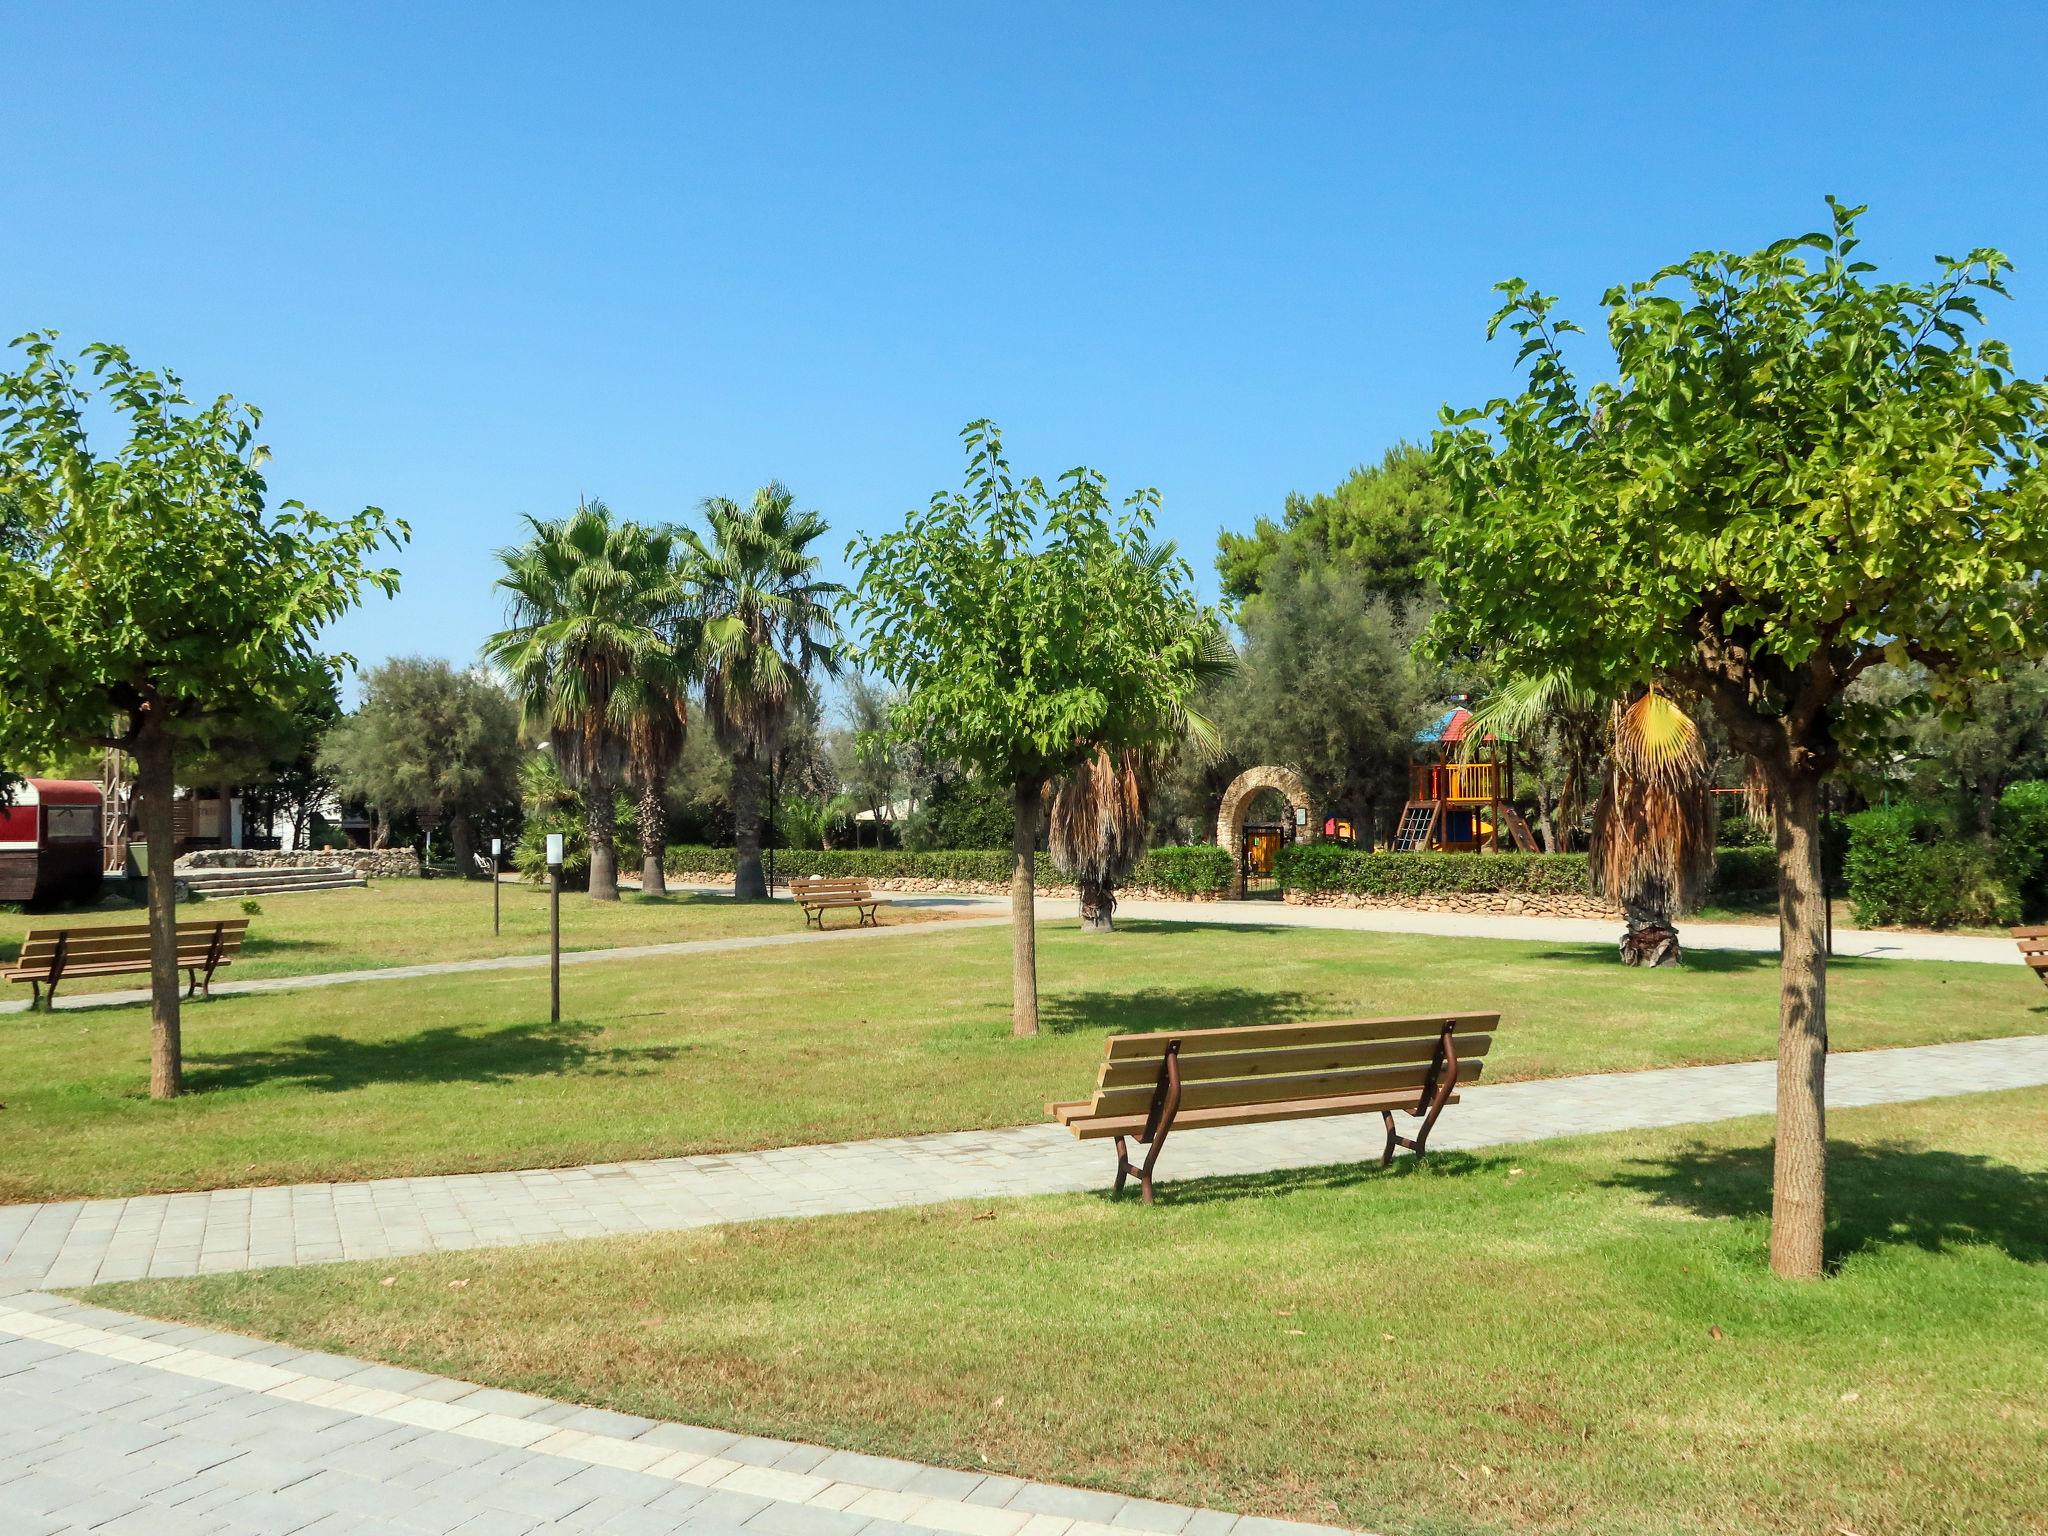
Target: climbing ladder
(1418, 825)
(1519, 828)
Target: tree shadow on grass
(1880, 1194)
(332, 1063)
(1147, 1010)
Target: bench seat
(1149, 1085)
(818, 894)
(52, 955)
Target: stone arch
(1238, 798)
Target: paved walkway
(121, 1426)
(77, 1243)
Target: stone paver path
(122, 1426)
(76, 1243)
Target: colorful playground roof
(1448, 727)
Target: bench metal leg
(1158, 1121)
(1436, 1091)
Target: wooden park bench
(2033, 944)
(818, 894)
(1181, 1080)
(51, 955)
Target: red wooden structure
(1460, 802)
(50, 841)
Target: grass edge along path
(1578, 1335)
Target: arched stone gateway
(1238, 798)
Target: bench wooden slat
(1252, 1114)
(1151, 1047)
(1199, 1066)
(1406, 1080)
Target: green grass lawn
(818, 1042)
(1580, 1336)
(416, 922)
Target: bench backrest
(831, 887)
(1277, 1063)
(126, 943)
(2033, 944)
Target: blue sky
(475, 263)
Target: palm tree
(767, 627)
(1099, 825)
(1653, 826)
(593, 603)
(655, 706)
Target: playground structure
(1460, 794)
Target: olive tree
(151, 599)
(1027, 628)
(1797, 472)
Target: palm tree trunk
(1023, 910)
(1799, 1171)
(154, 776)
(653, 821)
(748, 883)
(1098, 904)
(1652, 938)
(600, 824)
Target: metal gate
(1261, 867)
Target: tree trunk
(1546, 822)
(1098, 904)
(748, 881)
(653, 840)
(154, 784)
(1023, 910)
(1799, 1172)
(1652, 938)
(462, 841)
(600, 825)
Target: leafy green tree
(432, 741)
(595, 607)
(1372, 527)
(1329, 686)
(1028, 628)
(1797, 473)
(768, 630)
(154, 590)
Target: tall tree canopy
(1372, 527)
(1797, 473)
(152, 590)
(427, 739)
(1028, 627)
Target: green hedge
(2022, 824)
(1745, 871)
(1329, 867)
(1189, 871)
(1907, 863)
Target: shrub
(1745, 871)
(1187, 871)
(1192, 870)
(961, 814)
(1739, 829)
(252, 907)
(1906, 864)
(1329, 867)
(2022, 824)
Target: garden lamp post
(554, 927)
(497, 848)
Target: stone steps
(280, 881)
